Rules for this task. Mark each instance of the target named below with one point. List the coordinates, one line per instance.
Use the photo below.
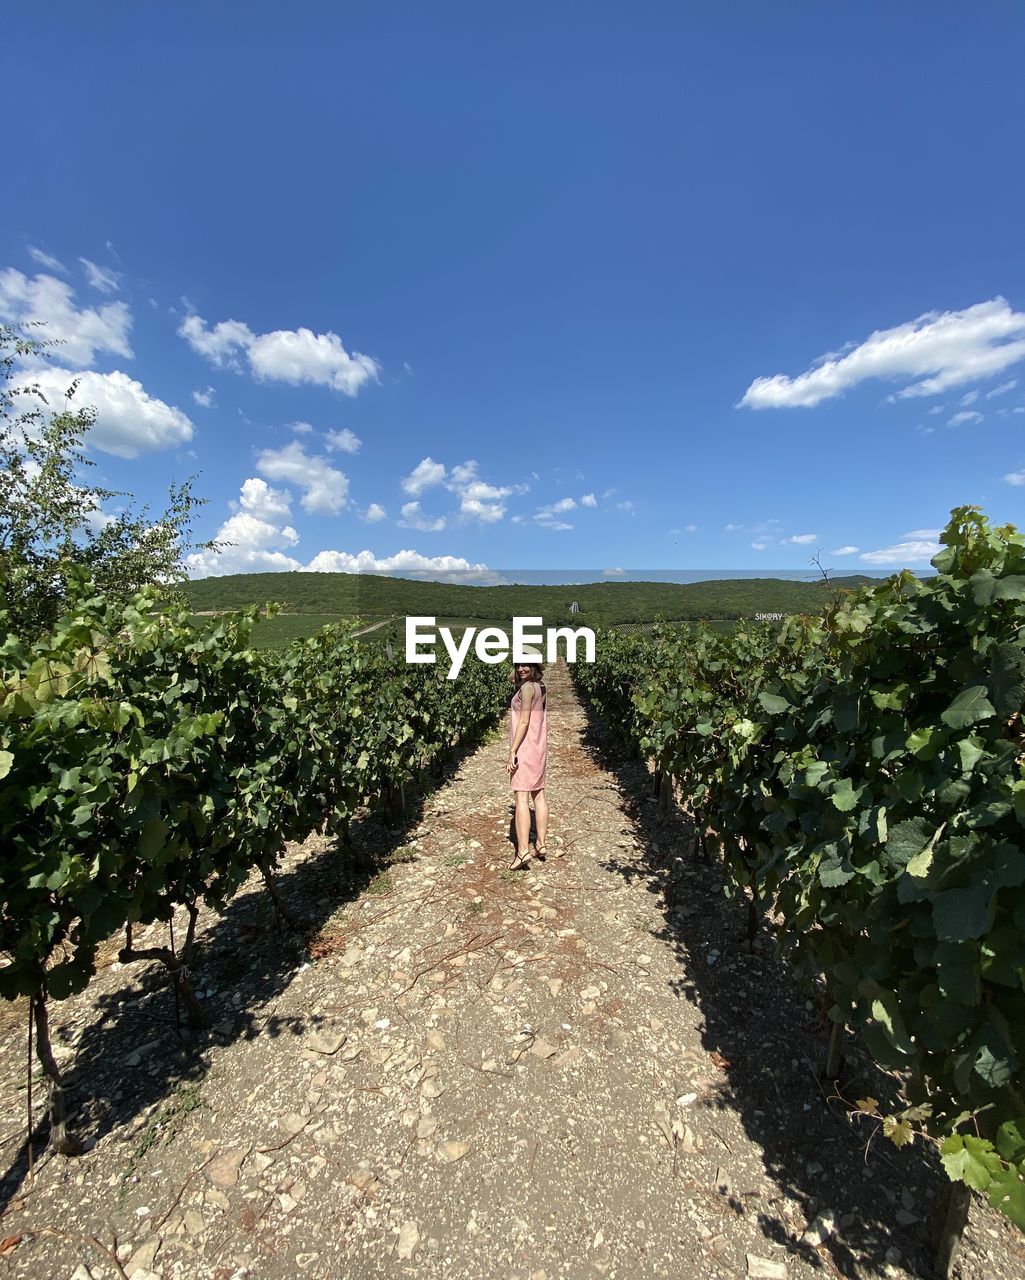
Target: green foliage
(146, 763)
(51, 521)
(281, 629)
(864, 773)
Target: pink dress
(532, 756)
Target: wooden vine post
(834, 1051)
(60, 1139)
(752, 919)
(176, 965)
(954, 1223)
(284, 915)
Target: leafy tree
(52, 520)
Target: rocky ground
(456, 1070)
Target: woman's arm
(526, 697)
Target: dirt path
(467, 1072)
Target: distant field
(717, 624)
(280, 631)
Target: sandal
(541, 850)
(519, 863)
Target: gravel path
(574, 1071)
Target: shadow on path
(132, 1054)
(769, 1039)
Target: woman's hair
(536, 673)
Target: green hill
(601, 603)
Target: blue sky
(678, 286)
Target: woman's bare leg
(522, 824)
(540, 815)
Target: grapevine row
(147, 764)
(862, 775)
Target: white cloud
(220, 344)
(625, 506)
(256, 549)
(1015, 477)
(82, 333)
(612, 573)
(1019, 409)
(801, 539)
(257, 532)
(261, 542)
(100, 277)
(204, 398)
(375, 512)
(258, 499)
(917, 547)
(1002, 389)
(46, 259)
(425, 474)
(968, 398)
(966, 415)
(690, 528)
(759, 546)
(128, 420)
(764, 532)
(302, 428)
(294, 356)
(297, 356)
(479, 500)
(844, 551)
(344, 441)
(324, 488)
(548, 516)
(936, 351)
(936, 409)
(442, 568)
(414, 518)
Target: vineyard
(862, 776)
(855, 779)
(147, 764)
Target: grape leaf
(959, 914)
(969, 707)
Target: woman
(528, 758)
